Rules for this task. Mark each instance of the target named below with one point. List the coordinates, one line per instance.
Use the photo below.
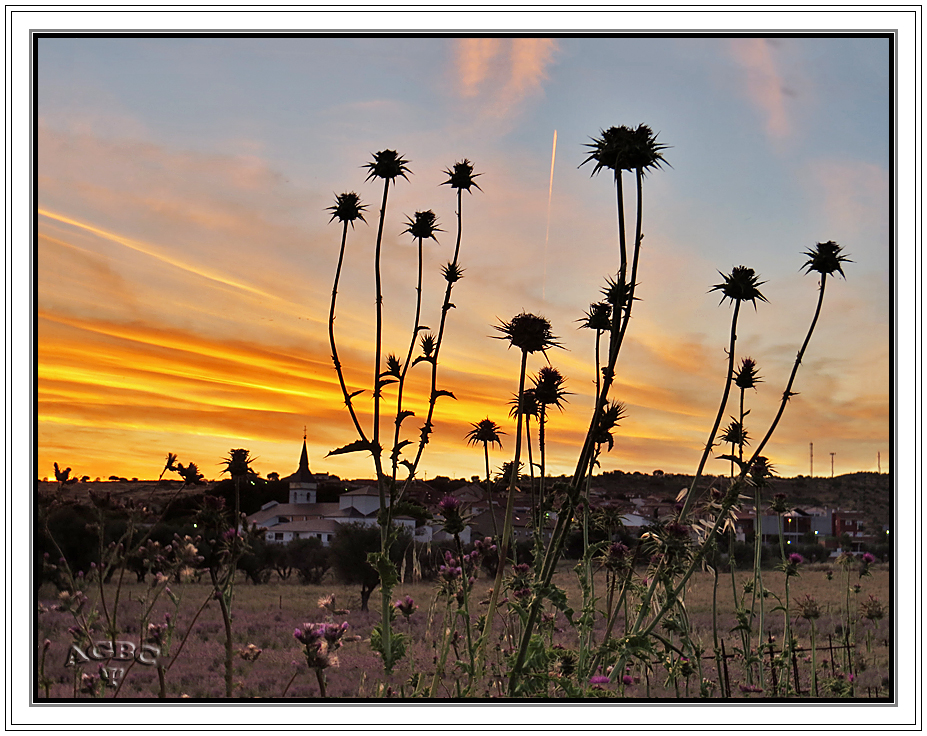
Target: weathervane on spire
(304, 433)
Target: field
(266, 615)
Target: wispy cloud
(500, 74)
(763, 83)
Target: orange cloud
(764, 85)
(501, 73)
(155, 252)
(473, 62)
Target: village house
(303, 517)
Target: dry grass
(266, 616)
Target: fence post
(772, 667)
(725, 676)
(795, 670)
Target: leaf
(423, 359)
(355, 393)
(394, 455)
(356, 446)
(740, 463)
(558, 597)
(389, 577)
(404, 414)
(440, 392)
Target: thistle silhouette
(487, 432)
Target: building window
(278, 536)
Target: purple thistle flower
(449, 504)
(796, 559)
(868, 558)
(449, 572)
(627, 680)
(599, 680)
(406, 606)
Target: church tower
(302, 483)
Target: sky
(185, 258)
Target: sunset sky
(185, 257)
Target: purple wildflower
(599, 680)
(449, 504)
(868, 558)
(796, 559)
(406, 606)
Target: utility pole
(879, 460)
(811, 452)
(832, 464)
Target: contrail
(550, 192)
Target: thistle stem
(507, 524)
(331, 337)
(690, 495)
(408, 360)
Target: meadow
(265, 617)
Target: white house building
(303, 517)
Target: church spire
(304, 459)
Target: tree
(348, 554)
(309, 558)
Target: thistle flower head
(387, 164)
(616, 555)
(872, 609)
(485, 431)
(238, 463)
(597, 318)
(529, 406)
(449, 504)
(548, 387)
(450, 509)
(741, 285)
(250, 653)
(424, 225)
(428, 343)
(528, 332)
(626, 149)
(735, 434)
(406, 606)
(616, 292)
(347, 208)
(746, 376)
(452, 272)
(808, 608)
(795, 558)
(613, 413)
(461, 176)
(826, 259)
(761, 470)
(780, 503)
